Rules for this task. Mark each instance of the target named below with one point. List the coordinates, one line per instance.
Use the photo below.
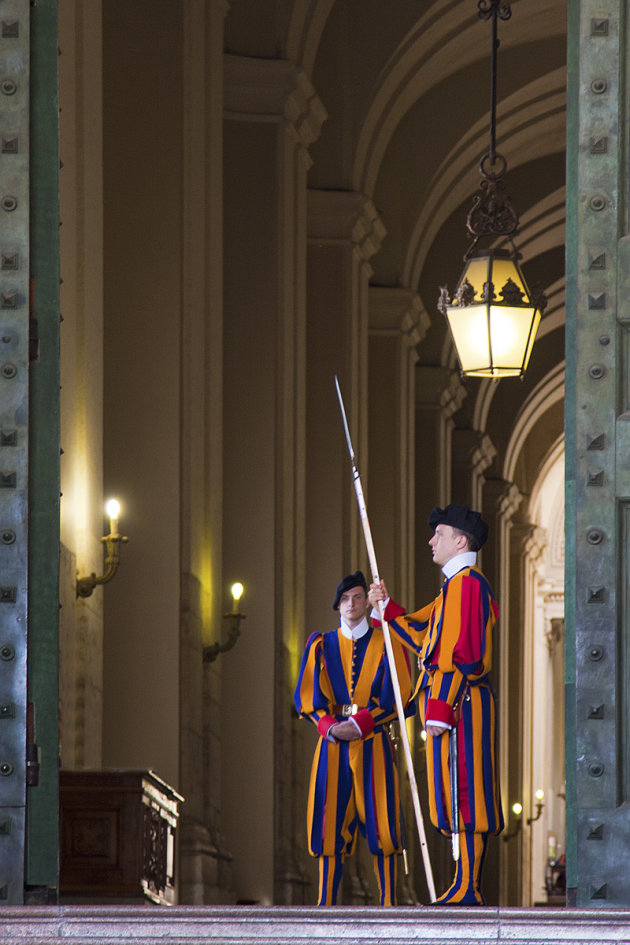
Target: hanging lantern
(493, 318)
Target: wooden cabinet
(118, 830)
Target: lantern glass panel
(504, 269)
(495, 269)
(509, 334)
(532, 338)
(469, 328)
(476, 272)
(495, 340)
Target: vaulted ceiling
(406, 85)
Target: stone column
(344, 233)
(439, 394)
(81, 243)
(473, 452)
(501, 500)
(398, 323)
(514, 710)
(534, 546)
(204, 873)
(272, 116)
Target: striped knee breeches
(354, 786)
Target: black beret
(350, 580)
(462, 518)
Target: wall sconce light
(86, 585)
(539, 807)
(517, 810)
(493, 317)
(211, 652)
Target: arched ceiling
(406, 85)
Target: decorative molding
(398, 311)
(336, 216)
(534, 541)
(504, 497)
(554, 634)
(273, 90)
(439, 387)
(473, 448)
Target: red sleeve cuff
(393, 610)
(365, 721)
(438, 711)
(324, 724)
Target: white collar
(355, 633)
(467, 559)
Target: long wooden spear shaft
(367, 533)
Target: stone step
(282, 925)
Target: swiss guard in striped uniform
(345, 689)
(452, 637)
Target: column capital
(336, 216)
(473, 448)
(273, 90)
(504, 496)
(530, 539)
(398, 311)
(439, 387)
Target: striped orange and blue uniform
(452, 637)
(354, 784)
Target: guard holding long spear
(452, 637)
(353, 682)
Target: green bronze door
(29, 451)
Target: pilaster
(275, 91)
(501, 500)
(397, 324)
(203, 877)
(473, 452)
(344, 231)
(272, 116)
(81, 367)
(439, 394)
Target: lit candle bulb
(539, 795)
(112, 508)
(517, 809)
(237, 592)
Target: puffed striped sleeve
(464, 648)
(383, 701)
(313, 690)
(410, 629)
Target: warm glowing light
(493, 318)
(237, 592)
(517, 809)
(112, 507)
(540, 794)
(423, 735)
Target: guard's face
(446, 543)
(352, 606)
